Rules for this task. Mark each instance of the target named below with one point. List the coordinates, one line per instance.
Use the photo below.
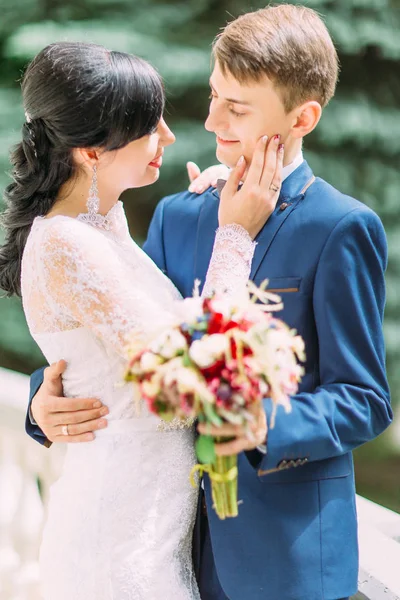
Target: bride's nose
(166, 136)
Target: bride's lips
(157, 162)
(223, 142)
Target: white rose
(191, 309)
(299, 347)
(169, 343)
(187, 380)
(151, 388)
(217, 343)
(208, 350)
(149, 362)
(224, 306)
(200, 355)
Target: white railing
(27, 470)
(379, 540)
(24, 466)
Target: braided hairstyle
(76, 95)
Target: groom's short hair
(289, 44)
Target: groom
(325, 254)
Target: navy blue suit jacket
(325, 253)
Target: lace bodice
(89, 291)
(83, 273)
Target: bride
(121, 515)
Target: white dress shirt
(289, 169)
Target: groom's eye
(236, 114)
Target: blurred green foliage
(356, 146)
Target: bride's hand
(200, 181)
(252, 205)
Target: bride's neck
(73, 196)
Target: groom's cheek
(248, 150)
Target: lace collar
(114, 221)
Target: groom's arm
(49, 412)
(31, 427)
(352, 403)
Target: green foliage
(175, 62)
(205, 449)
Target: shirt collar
(289, 169)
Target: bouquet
(224, 355)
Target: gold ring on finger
(273, 187)
(64, 429)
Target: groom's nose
(216, 120)
(208, 123)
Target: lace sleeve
(89, 284)
(86, 283)
(230, 264)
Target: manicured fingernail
(102, 424)
(97, 404)
(90, 437)
(191, 189)
(265, 139)
(277, 138)
(240, 161)
(281, 147)
(104, 411)
(199, 190)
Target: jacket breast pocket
(280, 285)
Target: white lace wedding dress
(121, 515)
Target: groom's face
(241, 113)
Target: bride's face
(138, 164)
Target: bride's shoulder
(60, 225)
(60, 233)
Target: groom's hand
(242, 440)
(57, 415)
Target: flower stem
(225, 492)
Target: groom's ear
(305, 119)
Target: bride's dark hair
(75, 95)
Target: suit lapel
(267, 235)
(291, 195)
(207, 226)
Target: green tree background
(356, 147)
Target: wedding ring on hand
(64, 429)
(273, 187)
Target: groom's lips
(223, 142)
